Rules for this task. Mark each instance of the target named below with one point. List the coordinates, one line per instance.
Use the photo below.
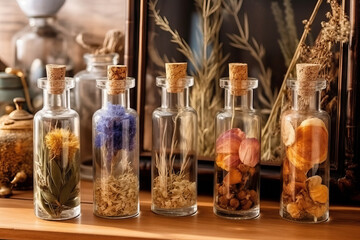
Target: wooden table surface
(17, 221)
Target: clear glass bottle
(237, 163)
(88, 100)
(305, 170)
(174, 152)
(41, 42)
(116, 153)
(56, 153)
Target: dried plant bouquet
(116, 187)
(57, 172)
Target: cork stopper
(175, 75)
(56, 78)
(116, 79)
(238, 72)
(307, 74)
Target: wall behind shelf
(93, 16)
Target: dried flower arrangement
(208, 65)
(116, 190)
(335, 30)
(173, 189)
(237, 157)
(57, 172)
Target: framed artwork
(264, 39)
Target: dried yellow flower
(62, 142)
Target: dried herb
(117, 196)
(173, 189)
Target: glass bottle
(237, 163)
(41, 42)
(87, 100)
(56, 150)
(305, 138)
(174, 148)
(116, 149)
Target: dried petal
(319, 193)
(313, 181)
(287, 132)
(249, 152)
(227, 161)
(233, 177)
(229, 141)
(293, 210)
(317, 210)
(311, 144)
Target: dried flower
(311, 144)
(62, 142)
(116, 130)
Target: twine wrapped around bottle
(175, 76)
(116, 79)
(238, 72)
(56, 78)
(307, 75)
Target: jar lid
(17, 119)
(19, 113)
(9, 81)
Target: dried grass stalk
(256, 50)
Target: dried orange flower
(61, 142)
(310, 146)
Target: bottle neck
(174, 100)
(99, 63)
(122, 99)
(41, 21)
(57, 101)
(243, 102)
(309, 103)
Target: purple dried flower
(115, 129)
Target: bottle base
(65, 215)
(308, 219)
(118, 217)
(175, 212)
(238, 215)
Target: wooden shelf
(17, 221)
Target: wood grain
(93, 16)
(17, 221)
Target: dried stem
(207, 66)
(256, 50)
